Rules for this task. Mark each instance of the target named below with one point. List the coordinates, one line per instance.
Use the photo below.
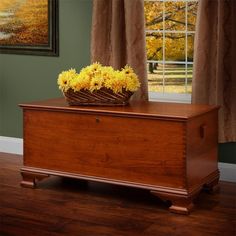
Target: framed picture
(29, 27)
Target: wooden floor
(72, 207)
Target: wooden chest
(168, 148)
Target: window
(170, 30)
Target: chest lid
(142, 109)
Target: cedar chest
(167, 148)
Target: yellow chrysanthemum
(116, 83)
(131, 79)
(95, 67)
(96, 76)
(127, 70)
(80, 82)
(132, 83)
(96, 83)
(65, 78)
(108, 73)
(92, 70)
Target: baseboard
(15, 146)
(227, 172)
(11, 145)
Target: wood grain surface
(168, 148)
(62, 206)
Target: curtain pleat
(118, 37)
(214, 77)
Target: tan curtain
(118, 37)
(214, 79)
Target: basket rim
(103, 97)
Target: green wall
(227, 152)
(29, 78)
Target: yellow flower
(92, 70)
(96, 83)
(65, 78)
(132, 83)
(96, 76)
(80, 82)
(128, 70)
(131, 79)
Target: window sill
(169, 97)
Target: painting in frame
(29, 27)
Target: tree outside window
(170, 29)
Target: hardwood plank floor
(61, 206)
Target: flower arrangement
(97, 84)
(96, 76)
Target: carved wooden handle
(203, 130)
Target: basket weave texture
(101, 97)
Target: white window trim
(170, 97)
(171, 62)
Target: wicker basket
(101, 97)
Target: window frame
(172, 97)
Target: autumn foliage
(174, 19)
(27, 22)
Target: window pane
(175, 47)
(190, 47)
(155, 77)
(154, 45)
(175, 78)
(170, 50)
(192, 15)
(154, 15)
(175, 15)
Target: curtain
(118, 37)
(214, 77)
